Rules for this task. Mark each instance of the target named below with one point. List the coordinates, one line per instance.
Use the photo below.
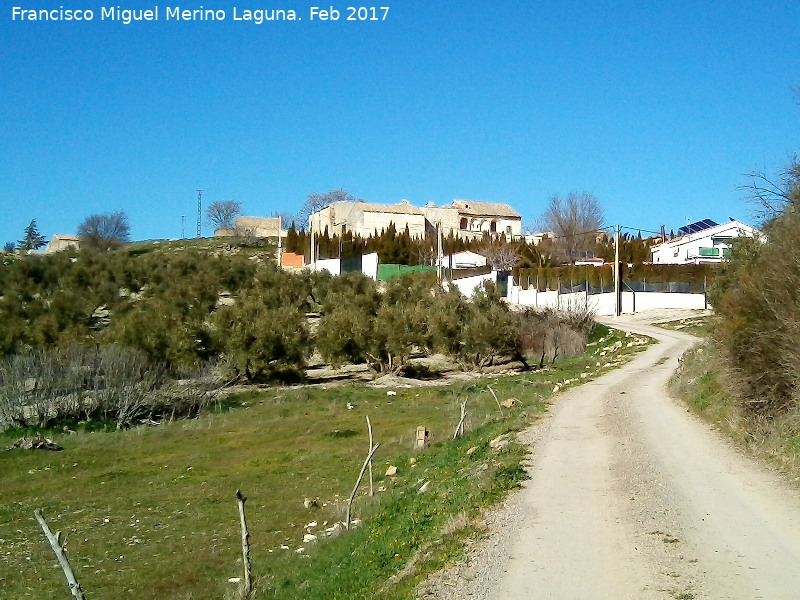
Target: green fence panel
(389, 271)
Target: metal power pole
(617, 294)
(311, 257)
(280, 246)
(199, 211)
(183, 222)
(439, 248)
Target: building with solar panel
(701, 242)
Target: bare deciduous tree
(501, 256)
(771, 197)
(316, 202)
(222, 213)
(104, 231)
(575, 221)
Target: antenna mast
(199, 210)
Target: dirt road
(631, 497)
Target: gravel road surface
(631, 497)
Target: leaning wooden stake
(460, 427)
(55, 544)
(358, 483)
(248, 586)
(371, 442)
(496, 400)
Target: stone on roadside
(501, 442)
(335, 531)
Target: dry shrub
(547, 335)
(758, 300)
(45, 388)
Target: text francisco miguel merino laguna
(176, 13)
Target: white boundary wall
(467, 285)
(331, 265)
(369, 265)
(603, 304)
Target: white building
(261, 227)
(61, 242)
(463, 218)
(701, 242)
(463, 260)
(366, 219)
(494, 218)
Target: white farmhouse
(61, 242)
(701, 242)
(494, 218)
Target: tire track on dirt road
(631, 497)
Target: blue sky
(658, 108)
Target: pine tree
(33, 240)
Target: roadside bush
(261, 343)
(758, 302)
(757, 298)
(489, 330)
(383, 339)
(344, 336)
(446, 320)
(167, 333)
(328, 292)
(547, 335)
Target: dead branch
(496, 400)
(460, 427)
(358, 483)
(61, 555)
(371, 442)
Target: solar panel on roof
(697, 226)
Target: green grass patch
(150, 513)
(697, 326)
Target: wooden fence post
(460, 427)
(248, 585)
